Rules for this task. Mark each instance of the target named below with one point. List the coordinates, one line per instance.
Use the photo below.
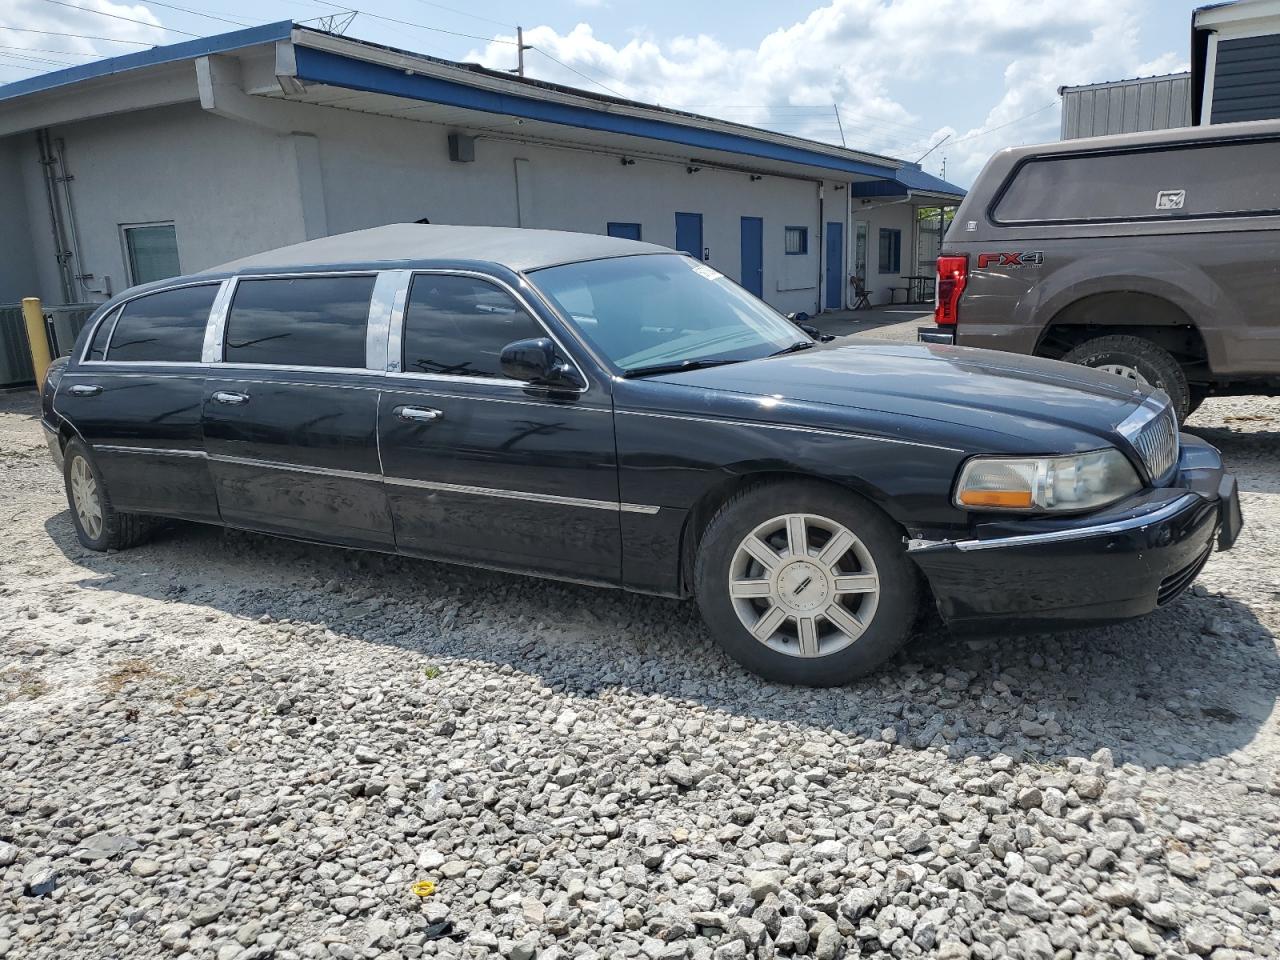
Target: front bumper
(1028, 575)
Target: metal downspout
(60, 251)
(80, 276)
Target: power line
(464, 13)
(116, 16)
(419, 26)
(77, 36)
(198, 13)
(1027, 116)
(66, 53)
(583, 75)
(23, 56)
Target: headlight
(1085, 481)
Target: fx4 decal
(1030, 258)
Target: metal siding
(1246, 82)
(1127, 106)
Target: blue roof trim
(910, 177)
(187, 50)
(322, 66)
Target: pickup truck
(1153, 256)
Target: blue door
(626, 231)
(689, 234)
(753, 255)
(835, 266)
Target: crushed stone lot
(230, 746)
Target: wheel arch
(702, 511)
(1126, 312)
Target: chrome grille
(1157, 443)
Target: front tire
(99, 526)
(805, 584)
(1140, 360)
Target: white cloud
(999, 60)
(53, 50)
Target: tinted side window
(300, 321)
(459, 325)
(1167, 184)
(163, 326)
(98, 348)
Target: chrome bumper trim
(1064, 536)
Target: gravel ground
(225, 745)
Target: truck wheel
(1137, 359)
(805, 584)
(98, 524)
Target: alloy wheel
(1124, 370)
(803, 585)
(84, 496)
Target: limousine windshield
(651, 311)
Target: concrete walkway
(878, 323)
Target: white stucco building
(181, 157)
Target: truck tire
(804, 583)
(1137, 359)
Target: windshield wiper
(679, 367)
(795, 347)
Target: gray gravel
(223, 745)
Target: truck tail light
(953, 274)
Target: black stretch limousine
(608, 411)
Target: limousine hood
(1030, 398)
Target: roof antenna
(338, 23)
(836, 108)
(521, 47)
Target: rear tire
(822, 615)
(1137, 359)
(99, 526)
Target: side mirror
(535, 361)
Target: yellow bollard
(37, 339)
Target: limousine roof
(512, 247)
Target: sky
(897, 77)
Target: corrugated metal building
(1126, 106)
(1234, 75)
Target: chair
(861, 300)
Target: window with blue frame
(796, 241)
(890, 250)
(626, 231)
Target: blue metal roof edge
(910, 177)
(322, 66)
(188, 49)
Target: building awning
(910, 180)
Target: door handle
(226, 396)
(84, 390)
(419, 414)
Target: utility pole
(836, 108)
(521, 47)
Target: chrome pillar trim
(215, 330)
(521, 495)
(1066, 536)
(395, 324)
(381, 306)
(296, 468)
(152, 451)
